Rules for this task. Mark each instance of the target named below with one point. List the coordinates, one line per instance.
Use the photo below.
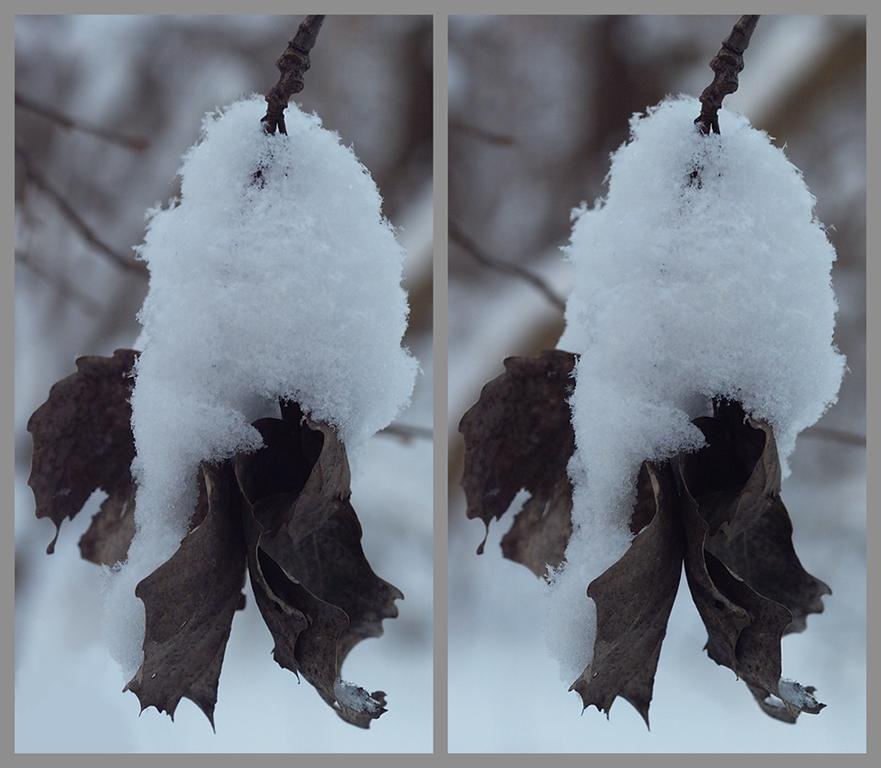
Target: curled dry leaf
(283, 512)
(519, 436)
(312, 583)
(717, 509)
(634, 598)
(190, 601)
(83, 442)
(745, 578)
(107, 539)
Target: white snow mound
(285, 282)
(685, 290)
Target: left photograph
(223, 405)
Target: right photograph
(657, 384)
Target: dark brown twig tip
(292, 65)
(726, 65)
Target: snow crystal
(703, 273)
(796, 694)
(275, 274)
(354, 697)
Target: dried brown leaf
(316, 591)
(541, 530)
(107, 539)
(190, 601)
(83, 441)
(729, 496)
(718, 509)
(634, 598)
(755, 539)
(519, 436)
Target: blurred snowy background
(536, 105)
(79, 200)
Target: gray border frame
(439, 9)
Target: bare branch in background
(476, 132)
(292, 64)
(726, 64)
(407, 432)
(838, 435)
(65, 288)
(34, 176)
(514, 270)
(135, 143)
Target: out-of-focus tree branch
(135, 143)
(64, 287)
(506, 268)
(407, 432)
(837, 435)
(34, 176)
(482, 134)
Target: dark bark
(292, 65)
(726, 64)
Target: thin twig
(292, 64)
(64, 287)
(838, 435)
(726, 65)
(135, 143)
(407, 432)
(514, 270)
(482, 134)
(34, 176)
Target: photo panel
(657, 394)
(225, 408)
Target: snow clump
(274, 275)
(703, 273)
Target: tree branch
(726, 64)
(135, 143)
(407, 432)
(514, 270)
(33, 175)
(838, 435)
(64, 287)
(292, 65)
(481, 134)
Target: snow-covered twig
(726, 64)
(473, 250)
(34, 176)
(292, 64)
(135, 143)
